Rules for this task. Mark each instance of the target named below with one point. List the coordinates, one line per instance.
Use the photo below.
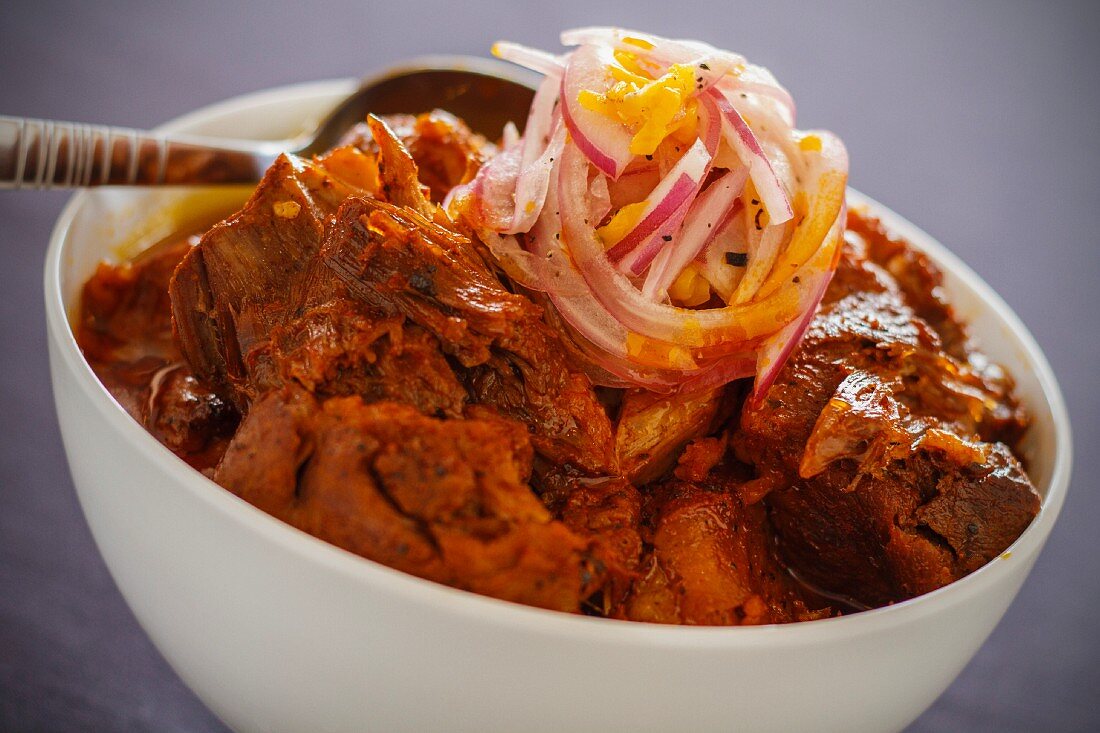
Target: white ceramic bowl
(278, 631)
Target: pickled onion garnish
(682, 230)
(607, 146)
(664, 209)
(708, 215)
(531, 58)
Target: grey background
(978, 121)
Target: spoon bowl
(485, 93)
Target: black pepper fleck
(422, 284)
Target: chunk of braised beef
(398, 263)
(608, 511)
(886, 457)
(337, 349)
(246, 277)
(446, 151)
(388, 483)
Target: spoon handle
(51, 154)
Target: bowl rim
(518, 617)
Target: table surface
(976, 121)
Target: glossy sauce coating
(339, 355)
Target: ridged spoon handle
(51, 154)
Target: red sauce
(124, 328)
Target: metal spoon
(46, 154)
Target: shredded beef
(342, 356)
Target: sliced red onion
(540, 119)
(711, 70)
(603, 141)
(777, 94)
(824, 174)
(710, 123)
(753, 79)
(730, 70)
(485, 205)
(673, 192)
(668, 203)
(520, 265)
(637, 260)
(494, 189)
(727, 328)
(510, 187)
(599, 199)
(534, 177)
(634, 185)
(604, 339)
(569, 292)
(678, 187)
(534, 161)
(776, 350)
(763, 251)
(663, 50)
(724, 370)
(741, 138)
(529, 58)
(708, 215)
(715, 266)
